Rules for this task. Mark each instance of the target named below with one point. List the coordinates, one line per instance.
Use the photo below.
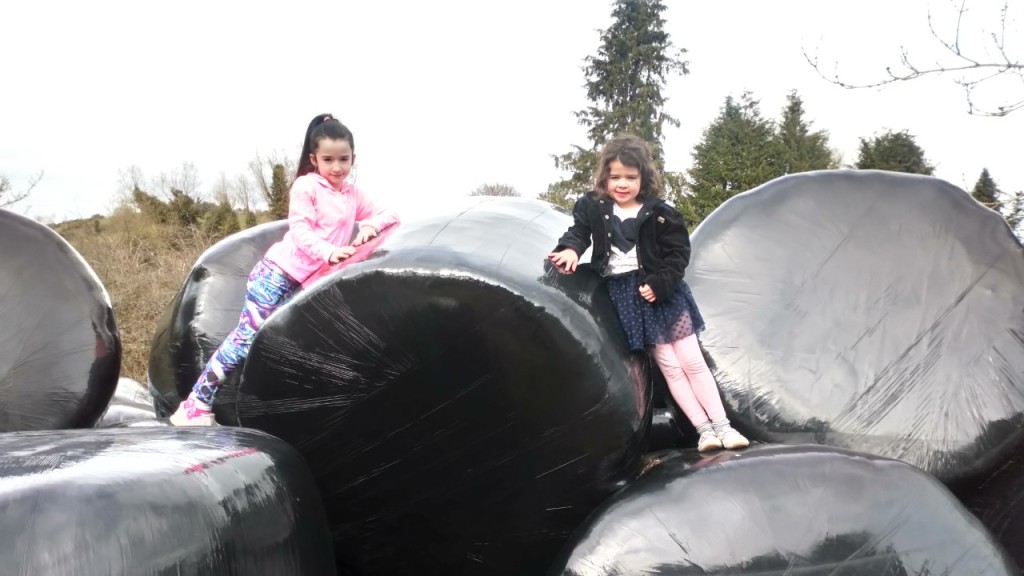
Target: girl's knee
(690, 356)
(667, 362)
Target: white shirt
(622, 256)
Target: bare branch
(495, 190)
(244, 194)
(262, 169)
(8, 197)
(972, 70)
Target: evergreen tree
(739, 151)
(151, 207)
(801, 149)
(278, 200)
(624, 85)
(183, 208)
(893, 151)
(1014, 211)
(221, 221)
(986, 192)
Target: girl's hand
(365, 233)
(565, 260)
(340, 254)
(646, 293)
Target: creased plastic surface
(220, 501)
(874, 311)
(60, 349)
(206, 309)
(462, 404)
(203, 312)
(131, 401)
(783, 510)
(998, 501)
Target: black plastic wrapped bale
(217, 501)
(60, 349)
(204, 311)
(868, 310)
(781, 510)
(997, 501)
(131, 401)
(463, 405)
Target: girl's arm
(302, 222)
(674, 244)
(577, 236)
(376, 217)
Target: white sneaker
(731, 439)
(193, 412)
(709, 441)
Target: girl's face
(623, 184)
(333, 160)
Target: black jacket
(662, 245)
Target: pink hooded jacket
(321, 219)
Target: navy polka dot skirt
(647, 324)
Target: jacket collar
(608, 205)
(345, 186)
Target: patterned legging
(267, 289)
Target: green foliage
(278, 198)
(221, 221)
(151, 207)
(893, 151)
(624, 85)
(580, 163)
(986, 192)
(183, 208)
(802, 150)
(1014, 211)
(739, 151)
(1009, 206)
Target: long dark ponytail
(322, 126)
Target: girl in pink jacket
(322, 212)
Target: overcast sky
(447, 95)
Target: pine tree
(624, 85)
(739, 151)
(184, 209)
(1014, 211)
(221, 221)
(278, 200)
(986, 192)
(893, 151)
(802, 150)
(151, 207)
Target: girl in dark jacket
(642, 246)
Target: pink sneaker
(193, 412)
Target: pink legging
(690, 380)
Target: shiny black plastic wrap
(203, 312)
(998, 501)
(780, 510)
(60, 349)
(462, 404)
(869, 310)
(217, 501)
(131, 401)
